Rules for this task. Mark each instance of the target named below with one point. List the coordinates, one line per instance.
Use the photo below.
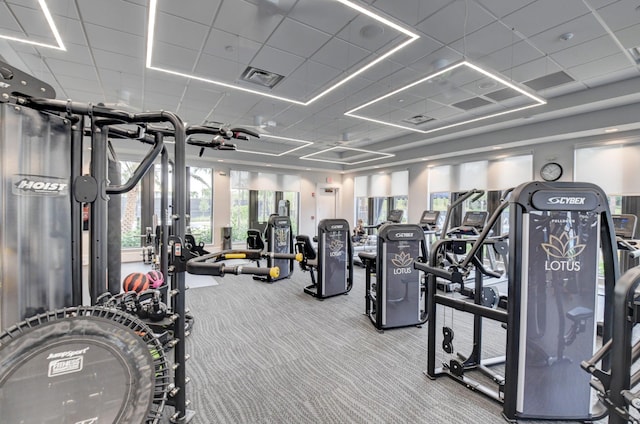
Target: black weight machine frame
(316, 261)
(506, 392)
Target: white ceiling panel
(278, 61)
(230, 46)
(584, 28)
(296, 88)
(501, 8)
(87, 84)
(534, 69)
(488, 39)
(340, 54)
(216, 68)
(315, 74)
(62, 67)
(621, 14)
(537, 16)
(505, 59)
(586, 52)
(173, 88)
(448, 24)
(201, 94)
(115, 41)
(410, 11)
(173, 30)
(371, 35)
(598, 4)
(382, 70)
(202, 12)
(630, 36)
(128, 17)
(34, 23)
(235, 14)
(601, 66)
(66, 8)
(84, 96)
(119, 62)
(175, 58)
(165, 100)
(121, 79)
(418, 49)
(8, 24)
(297, 38)
(436, 60)
(326, 15)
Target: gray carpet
(268, 353)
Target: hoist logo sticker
(25, 185)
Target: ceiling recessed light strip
(153, 4)
(295, 140)
(52, 25)
(539, 101)
(342, 162)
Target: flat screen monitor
(625, 225)
(476, 219)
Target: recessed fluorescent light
(153, 4)
(52, 25)
(538, 101)
(610, 130)
(303, 143)
(380, 154)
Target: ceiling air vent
(471, 103)
(548, 81)
(418, 119)
(261, 77)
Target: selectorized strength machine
(84, 364)
(333, 262)
(279, 241)
(556, 230)
(397, 298)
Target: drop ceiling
(341, 84)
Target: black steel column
(98, 221)
(76, 212)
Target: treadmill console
(429, 220)
(476, 219)
(395, 216)
(624, 225)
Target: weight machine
(556, 230)
(333, 262)
(397, 298)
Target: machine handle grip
(219, 269)
(274, 255)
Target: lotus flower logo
(563, 247)
(402, 259)
(281, 237)
(336, 245)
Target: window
(402, 203)
(379, 209)
(201, 203)
(239, 213)
(130, 216)
(362, 210)
(292, 197)
(266, 205)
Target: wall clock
(551, 171)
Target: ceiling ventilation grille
(548, 81)
(418, 119)
(261, 77)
